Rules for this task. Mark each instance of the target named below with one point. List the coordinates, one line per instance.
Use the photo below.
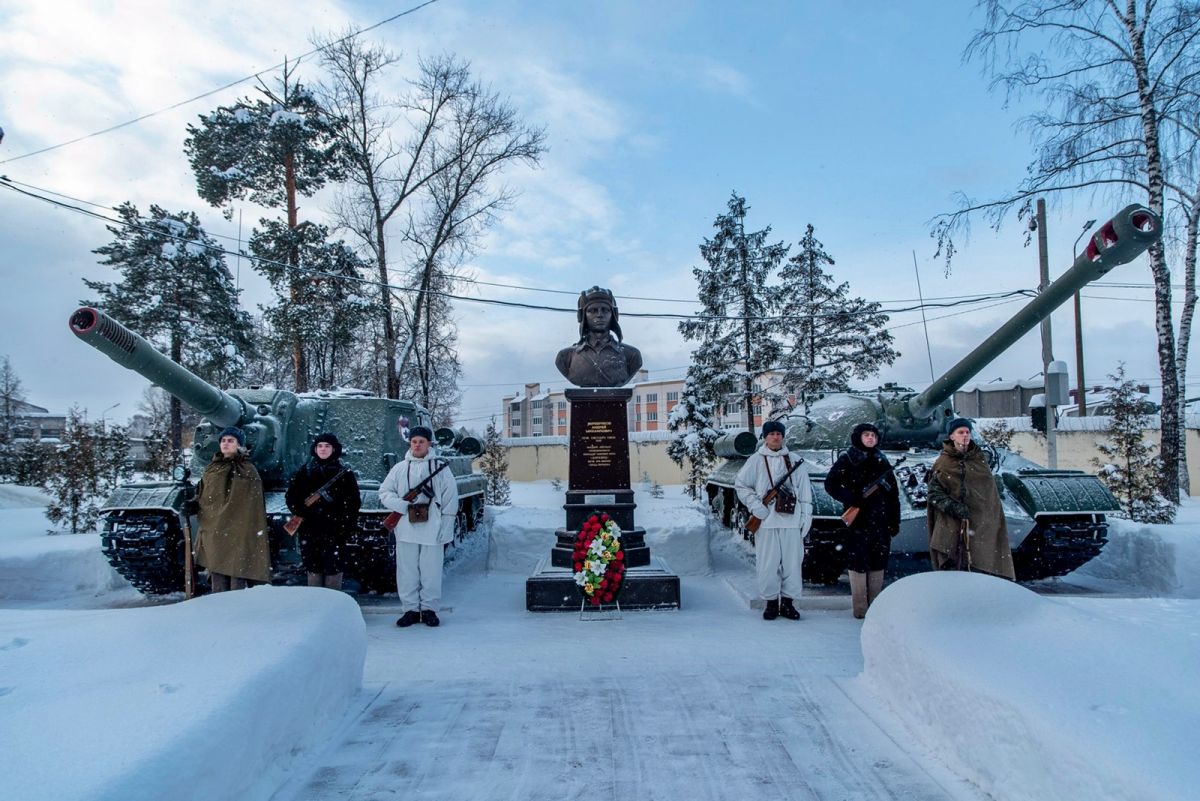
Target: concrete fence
(545, 458)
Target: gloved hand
(960, 510)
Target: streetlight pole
(1082, 388)
(106, 411)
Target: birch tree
(1107, 74)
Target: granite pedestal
(598, 482)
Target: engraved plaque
(599, 445)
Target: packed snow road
(710, 702)
(956, 686)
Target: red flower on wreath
(599, 559)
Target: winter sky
(858, 118)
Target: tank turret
(905, 417)
(280, 427)
(1056, 518)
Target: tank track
(146, 548)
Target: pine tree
(736, 328)
(1131, 470)
(494, 465)
(175, 291)
(88, 463)
(694, 424)
(325, 317)
(270, 149)
(831, 336)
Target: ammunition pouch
(418, 512)
(785, 501)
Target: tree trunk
(1164, 324)
(1185, 337)
(300, 369)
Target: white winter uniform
(779, 542)
(419, 546)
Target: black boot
(429, 618)
(409, 618)
(772, 610)
(787, 609)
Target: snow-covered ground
(956, 687)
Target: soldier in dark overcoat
(869, 536)
(332, 520)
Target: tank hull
(143, 524)
(1056, 518)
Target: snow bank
(212, 698)
(1033, 698)
(36, 566)
(1149, 560)
(523, 534)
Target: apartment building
(535, 412)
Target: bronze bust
(599, 358)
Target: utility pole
(1047, 341)
(1079, 382)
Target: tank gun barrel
(133, 352)
(1119, 241)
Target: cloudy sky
(858, 118)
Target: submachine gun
(424, 488)
(754, 522)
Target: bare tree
(426, 160)
(11, 396)
(1183, 180)
(482, 135)
(1108, 74)
(387, 169)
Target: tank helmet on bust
(598, 295)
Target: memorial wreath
(599, 559)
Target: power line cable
(464, 279)
(6, 183)
(229, 85)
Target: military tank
(143, 522)
(1056, 518)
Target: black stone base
(633, 542)
(618, 503)
(553, 589)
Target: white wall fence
(545, 458)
